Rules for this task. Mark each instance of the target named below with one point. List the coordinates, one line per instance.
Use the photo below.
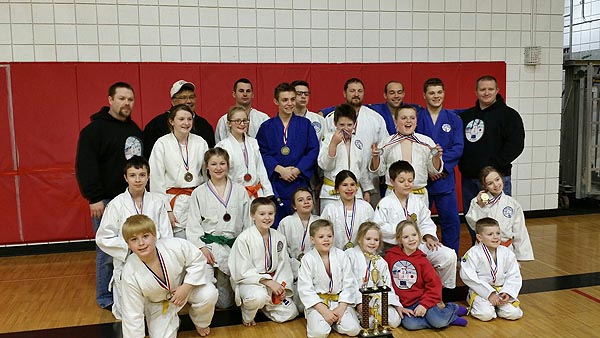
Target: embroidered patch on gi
(474, 130)
(317, 126)
(404, 274)
(133, 147)
(358, 144)
(279, 246)
(508, 212)
(446, 127)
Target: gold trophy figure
(377, 290)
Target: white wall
(586, 25)
(320, 31)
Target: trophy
(379, 290)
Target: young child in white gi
(342, 150)
(417, 149)
(159, 279)
(366, 265)
(492, 202)
(295, 229)
(246, 165)
(219, 211)
(347, 212)
(176, 163)
(402, 205)
(135, 200)
(417, 284)
(260, 268)
(491, 272)
(327, 286)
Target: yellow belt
(331, 183)
(474, 294)
(327, 297)
(419, 191)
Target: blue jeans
(435, 318)
(471, 187)
(104, 271)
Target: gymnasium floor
(52, 295)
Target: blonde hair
(318, 224)
(405, 224)
(362, 231)
(136, 225)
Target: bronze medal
(227, 217)
(348, 245)
(247, 177)
(188, 177)
(285, 150)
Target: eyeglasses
(300, 93)
(240, 121)
(185, 98)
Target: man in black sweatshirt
(110, 139)
(494, 136)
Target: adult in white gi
(346, 222)
(246, 166)
(253, 260)
(176, 165)
(144, 297)
(316, 286)
(390, 212)
(243, 94)
(362, 267)
(343, 151)
(509, 214)
(209, 230)
(485, 278)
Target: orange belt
(507, 243)
(253, 190)
(177, 192)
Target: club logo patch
(446, 127)
(317, 126)
(279, 246)
(358, 144)
(508, 212)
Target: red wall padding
(53, 101)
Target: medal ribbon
(413, 138)
(245, 153)
(494, 199)
(285, 134)
(227, 193)
(163, 284)
(186, 160)
(368, 272)
(138, 212)
(405, 209)
(268, 257)
(397, 138)
(490, 259)
(349, 229)
(302, 244)
(330, 273)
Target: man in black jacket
(494, 136)
(105, 144)
(182, 92)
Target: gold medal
(300, 256)
(413, 217)
(285, 150)
(348, 245)
(485, 198)
(188, 177)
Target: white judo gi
(143, 296)
(206, 217)
(477, 273)
(316, 286)
(318, 122)
(509, 214)
(360, 263)
(251, 261)
(353, 161)
(298, 243)
(110, 239)
(345, 226)
(167, 171)
(256, 119)
(390, 212)
(422, 162)
(255, 166)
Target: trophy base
(371, 334)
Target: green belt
(208, 238)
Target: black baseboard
(50, 248)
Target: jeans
(470, 188)
(435, 318)
(104, 271)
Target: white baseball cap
(179, 85)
